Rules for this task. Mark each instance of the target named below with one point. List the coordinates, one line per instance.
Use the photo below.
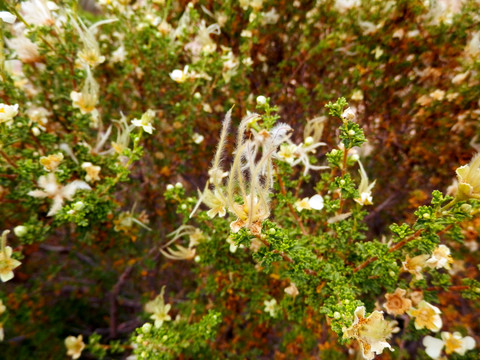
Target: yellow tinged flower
(51, 162)
(7, 263)
(302, 204)
(396, 303)
(371, 332)
(270, 307)
(180, 253)
(75, 346)
(453, 343)
(441, 258)
(158, 309)
(469, 180)
(287, 153)
(292, 290)
(415, 265)
(426, 316)
(365, 188)
(92, 171)
(3, 308)
(7, 113)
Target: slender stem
(290, 206)
(7, 158)
(451, 288)
(344, 171)
(392, 249)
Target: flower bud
(146, 328)
(261, 100)
(20, 230)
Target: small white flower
(302, 204)
(158, 309)
(453, 343)
(145, 121)
(7, 17)
(316, 202)
(441, 258)
(75, 346)
(357, 95)
(179, 75)
(287, 153)
(197, 138)
(365, 189)
(7, 263)
(57, 192)
(270, 307)
(7, 113)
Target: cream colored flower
(3, 308)
(158, 309)
(59, 193)
(51, 162)
(197, 138)
(426, 316)
(92, 171)
(287, 153)
(453, 343)
(215, 201)
(145, 121)
(26, 50)
(292, 290)
(459, 78)
(38, 114)
(348, 114)
(90, 55)
(7, 113)
(357, 95)
(416, 296)
(88, 98)
(365, 189)
(179, 76)
(456, 343)
(469, 179)
(371, 332)
(7, 263)
(415, 265)
(216, 176)
(302, 204)
(396, 303)
(441, 258)
(38, 12)
(75, 346)
(270, 307)
(180, 253)
(437, 95)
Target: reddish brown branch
(7, 158)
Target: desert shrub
(251, 179)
